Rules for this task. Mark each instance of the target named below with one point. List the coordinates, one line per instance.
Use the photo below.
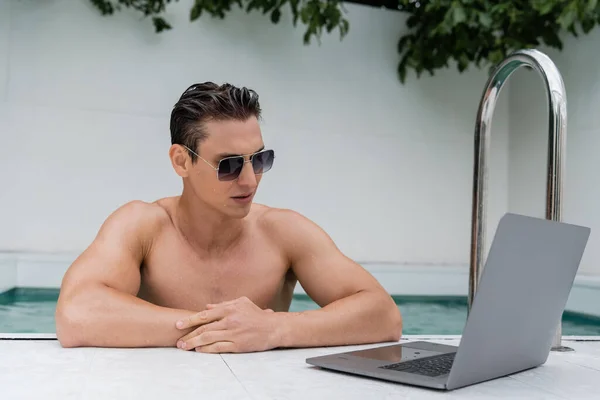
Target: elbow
(393, 329)
(68, 326)
(396, 326)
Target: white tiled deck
(32, 369)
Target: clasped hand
(234, 326)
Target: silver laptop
(521, 296)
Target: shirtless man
(209, 270)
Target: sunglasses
(230, 168)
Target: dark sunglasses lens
(230, 168)
(263, 161)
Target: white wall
(579, 66)
(84, 110)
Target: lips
(243, 196)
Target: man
(209, 270)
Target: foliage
(317, 15)
(468, 32)
(484, 32)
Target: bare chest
(175, 276)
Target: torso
(175, 275)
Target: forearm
(100, 316)
(365, 317)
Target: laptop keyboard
(428, 366)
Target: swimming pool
(30, 310)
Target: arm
(97, 305)
(356, 309)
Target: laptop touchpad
(395, 353)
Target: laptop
(522, 293)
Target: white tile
(30, 368)
(562, 378)
(584, 348)
(35, 368)
(173, 373)
(586, 361)
(279, 374)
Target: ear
(180, 160)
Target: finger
(218, 347)
(213, 326)
(201, 318)
(207, 338)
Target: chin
(239, 211)
(239, 215)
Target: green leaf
(344, 28)
(552, 39)
(105, 7)
(543, 6)
(587, 25)
(402, 71)
(458, 15)
(294, 7)
(196, 11)
(305, 15)
(252, 5)
(496, 56)
(484, 19)
(567, 18)
(160, 24)
(462, 65)
(403, 42)
(275, 16)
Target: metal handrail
(557, 125)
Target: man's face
(226, 139)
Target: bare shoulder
(314, 257)
(116, 253)
(278, 218)
(142, 209)
(141, 214)
(291, 229)
(136, 219)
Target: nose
(247, 178)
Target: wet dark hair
(206, 101)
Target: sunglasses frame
(242, 156)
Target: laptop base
(372, 362)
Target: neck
(205, 228)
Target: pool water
(28, 310)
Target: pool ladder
(557, 102)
